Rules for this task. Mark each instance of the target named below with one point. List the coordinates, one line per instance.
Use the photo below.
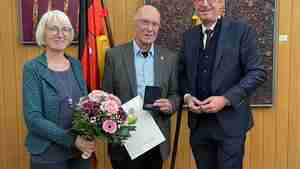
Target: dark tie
(209, 34)
(145, 54)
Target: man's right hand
(192, 103)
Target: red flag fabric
(89, 58)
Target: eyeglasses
(146, 23)
(53, 30)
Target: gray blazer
(120, 79)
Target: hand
(164, 105)
(214, 104)
(85, 145)
(193, 104)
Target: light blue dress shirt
(144, 68)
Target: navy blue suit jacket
(238, 70)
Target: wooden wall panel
(256, 141)
(2, 113)
(294, 108)
(121, 17)
(269, 141)
(3, 163)
(274, 142)
(9, 81)
(283, 86)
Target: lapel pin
(162, 58)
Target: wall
(274, 142)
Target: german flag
(93, 41)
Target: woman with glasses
(52, 83)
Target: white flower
(93, 119)
(97, 95)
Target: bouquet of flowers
(100, 115)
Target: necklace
(64, 79)
(59, 66)
(69, 98)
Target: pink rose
(111, 106)
(115, 98)
(109, 126)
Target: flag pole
(176, 137)
(108, 27)
(82, 27)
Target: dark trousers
(212, 149)
(77, 163)
(150, 160)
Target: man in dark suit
(220, 68)
(131, 67)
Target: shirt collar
(138, 51)
(212, 27)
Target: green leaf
(123, 131)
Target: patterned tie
(209, 35)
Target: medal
(69, 100)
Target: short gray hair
(48, 16)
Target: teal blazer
(41, 106)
